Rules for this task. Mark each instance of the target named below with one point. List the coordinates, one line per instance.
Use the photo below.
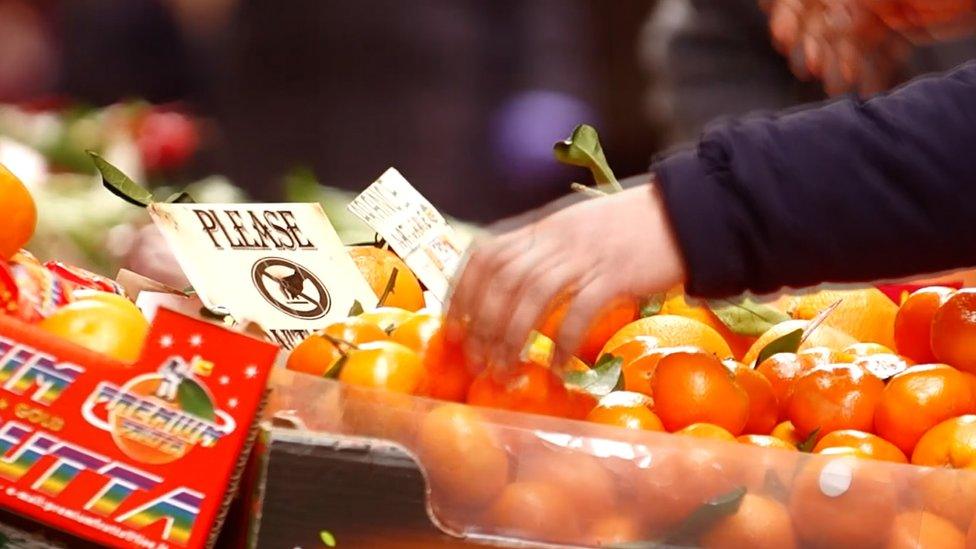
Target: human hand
(920, 17)
(594, 251)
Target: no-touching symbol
(291, 288)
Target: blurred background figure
(28, 53)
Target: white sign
(416, 231)
(281, 266)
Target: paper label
(415, 230)
(281, 266)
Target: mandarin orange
(697, 388)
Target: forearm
(849, 191)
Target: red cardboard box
(123, 455)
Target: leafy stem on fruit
(652, 305)
(704, 517)
(816, 321)
(588, 191)
(605, 377)
(745, 316)
(583, 149)
(339, 343)
(808, 443)
(788, 343)
(125, 188)
(388, 290)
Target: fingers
(593, 296)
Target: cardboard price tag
(416, 231)
(138, 455)
(281, 266)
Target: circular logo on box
(291, 288)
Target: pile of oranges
(903, 391)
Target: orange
(924, 530)
(535, 510)
(765, 441)
(870, 446)
(318, 354)
(855, 350)
(676, 303)
(675, 483)
(376, 265)
(387, 318)
(948, 493)
(462, 456)
(954, 331)
(696, 388)
(672, 331)
(585, 481)
(581, 403)
(639, 372)
(823, 336)
(913, 324)
(447, 376)
(787, 433)
(763, 407)
(843, 501)
(111, 325)
(626, 409)
(883, 366)
(835, 397)
(19, 214)
(613, 530)
(866, 314)
(759, 523)
(528, 387)
(917, 399)
(612, 318)
(951, 443)
(540, 349)
(706, 430)
(385, 365)
(782, 371)
(635, 348)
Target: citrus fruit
(19, 214)
(447, 376)
(540, 350)
(763, 407)
(822, 336)
(834, 397)
(883, 366)
(633, 349)
(787, 433)
(581, 403)
(706, 430)
(696, 388)
(866, 314)
(377, 265)
(676, 303)
(843, 501)
(854, 350)
(765, 441)
(385, 365)
(536, 510)
(614, 529)
(924, 530)
(463, 457)
(782, 371)
(319, 352)
(869, 445)
(387, 318)
(528, 387)
(639, 372)
(113, 326)
(613, 317)
(951, 443)
(585, 482)
(626, 409)
(954, 331)
(948, 493)
(672, 331)
(913, 324)
(760, 523)
(917, 399)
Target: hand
(915, 16)
(595, 251)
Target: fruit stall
(301, 388)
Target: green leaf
(745, 316)
(356, 309)
(327, 538)
(703, 518)
(193, 398)
(604, 378)
(119, 184)
(181, 197)
(333, 372)
(811, 441)
(788, 343)
(652, 304)
(583, 149)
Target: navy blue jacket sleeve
(843, 192)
